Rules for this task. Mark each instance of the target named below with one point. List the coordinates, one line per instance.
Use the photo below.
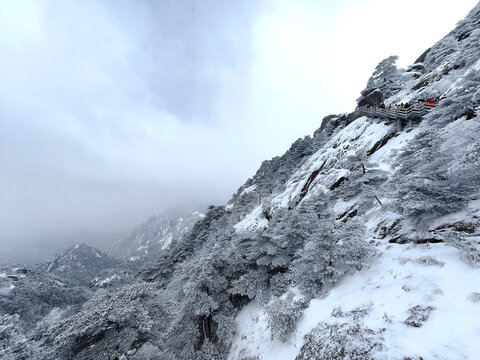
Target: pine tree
(386, 78)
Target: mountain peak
(80, 262)
(153, 236)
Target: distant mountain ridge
(41, 250)
(80, 263)
(153, 236)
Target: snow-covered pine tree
(385, 78)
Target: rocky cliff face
(360, 242)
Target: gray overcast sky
(111, 111)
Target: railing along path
(415, 111)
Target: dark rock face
(422, 57)
(332, 122)
(380, 144)
(459, 226)
(418, 67)
(338, 183)
(373, 98)
(469, 114)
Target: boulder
(418, 67)
(375, 97)
(422, 57)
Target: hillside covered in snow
(154, 235)
(360, 242)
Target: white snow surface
(253, 221)
(400, 278)
(248, 190)
(5, 290)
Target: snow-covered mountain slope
(413, 301)
(361, 242)
(154, 235)
(80, 263)
(420, 296)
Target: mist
(113, 111)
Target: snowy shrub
(330, 254)
(474, 297)
(432, 181)
(279, 283)
(418, 315)
(418, 197)
(226, 327)
(209, 351)
(347, 338)
(355, 314)
(341, 341)
(429, 261)
(283, 316)
(251, 284)
(469, 247)
(423, 260)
